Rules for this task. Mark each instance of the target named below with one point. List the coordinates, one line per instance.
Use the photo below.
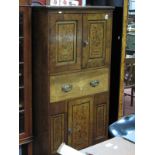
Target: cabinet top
(74, 7)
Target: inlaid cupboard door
(100, 117)
(65, 35)
(96, 40)
(80, 122)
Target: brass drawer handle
(94, 83)
(66, 87)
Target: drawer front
(79, 84)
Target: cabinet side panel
(40, 82)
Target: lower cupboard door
(80, 120)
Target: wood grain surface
(80, 82)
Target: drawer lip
(80, 83)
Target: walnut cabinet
(71, 73)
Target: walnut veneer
(71, 72)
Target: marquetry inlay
(81, 124)
(100, 120)
(97, 36)
(66, 42)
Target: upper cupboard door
(65, 35)
(97, 31)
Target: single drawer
(79, 84)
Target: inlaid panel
(100, 117)
(65, 35)
(66, 42)
(100, 121)
(96, 40)
(57, 131)
(80, 123)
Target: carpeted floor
(128, 109)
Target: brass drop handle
(85, 43)
(66, 87)
(94, 83)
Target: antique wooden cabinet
(71, 73)
(25, 93)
